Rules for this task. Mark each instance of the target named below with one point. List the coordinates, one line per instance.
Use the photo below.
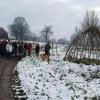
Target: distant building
(3, 34)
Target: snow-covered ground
(59, 80)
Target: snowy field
(58, 80)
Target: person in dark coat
(37, 49)
(14, 44)
(1, 50)
(25, 47)
(21, 50)
(4, 43)
(47, 49)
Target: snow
(59, 80)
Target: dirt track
(6, 68)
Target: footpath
(6, 68)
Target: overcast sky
(63, 15)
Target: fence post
(56, 48)
(52, 48)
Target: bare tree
(46, 32)
(87, 38)
(90, 20)
(20, 28)
(76, 33)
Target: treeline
(20, 30)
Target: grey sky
(64, 15)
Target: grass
(84, 61)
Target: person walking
(21, 50)
(1, 50)
(37, 49)
(29, 48)
(9, 49)
(47, 51)
(4, 43)
(25, 47)
(15, 47)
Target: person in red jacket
(29, 48)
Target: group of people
(10, 49)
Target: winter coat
(29, 47)
(37, 48)
(21, 49)
(1, 48)
(9, 48)
(47, 48)
(14, 44)
(25, 46)
(4, 47)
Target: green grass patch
(84, 61)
